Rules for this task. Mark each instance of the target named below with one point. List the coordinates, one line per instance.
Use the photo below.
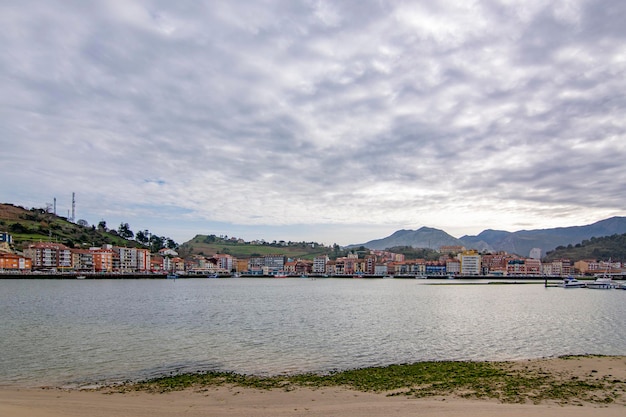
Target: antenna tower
(73, 207)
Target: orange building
(13, 262)
(102, 260)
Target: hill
(599, 249)
(425, 237)
(35, 225)
(208, 245)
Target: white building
(470, 263)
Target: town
(454, 261)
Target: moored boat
(571, 282)
(604, 282)
(601, 283)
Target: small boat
(621, 286)
(358, 275)
(280, 275)
(571, 282)
(81, 277)
(215, 275)
(172, 276)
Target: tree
(102, 226)
(156, 243)
(142, 237)
(124, 231)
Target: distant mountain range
(520, 242)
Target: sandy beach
(334, 401)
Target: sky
(326, 121)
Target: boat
(172, 276)
(81, 277)
(571, 282)
(604, 282)
(280, 275)
(214, 275)
(621, 286)
(358, 275)
(601, 283)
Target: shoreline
(602, 380)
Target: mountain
(520, 242)
(425, 237)
(523, 241)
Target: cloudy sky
(328, 121)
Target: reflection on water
(78, 332)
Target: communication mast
(73, 207)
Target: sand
(338, 402)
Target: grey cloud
(441, 102)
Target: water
(72, 333)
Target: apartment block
(49, 256)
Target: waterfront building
(102, 259)
(276, 262)
(10, 262)
(380, 269)
(435, 268)
(453, 266)
(156, 263)
(224, 262)
(561, 267)
(522, 267)
(82, 260)
(587, 266)
(319, 264)
(470, 263)
(241, 265)
(53, 256)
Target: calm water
(68, 332)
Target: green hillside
(35, 225)
(600, 249)
(208, 245)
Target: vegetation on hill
(411, 253)
(597, 248)
(210, 244)
(39, 225)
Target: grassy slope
(27, 226)
(201, 246)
